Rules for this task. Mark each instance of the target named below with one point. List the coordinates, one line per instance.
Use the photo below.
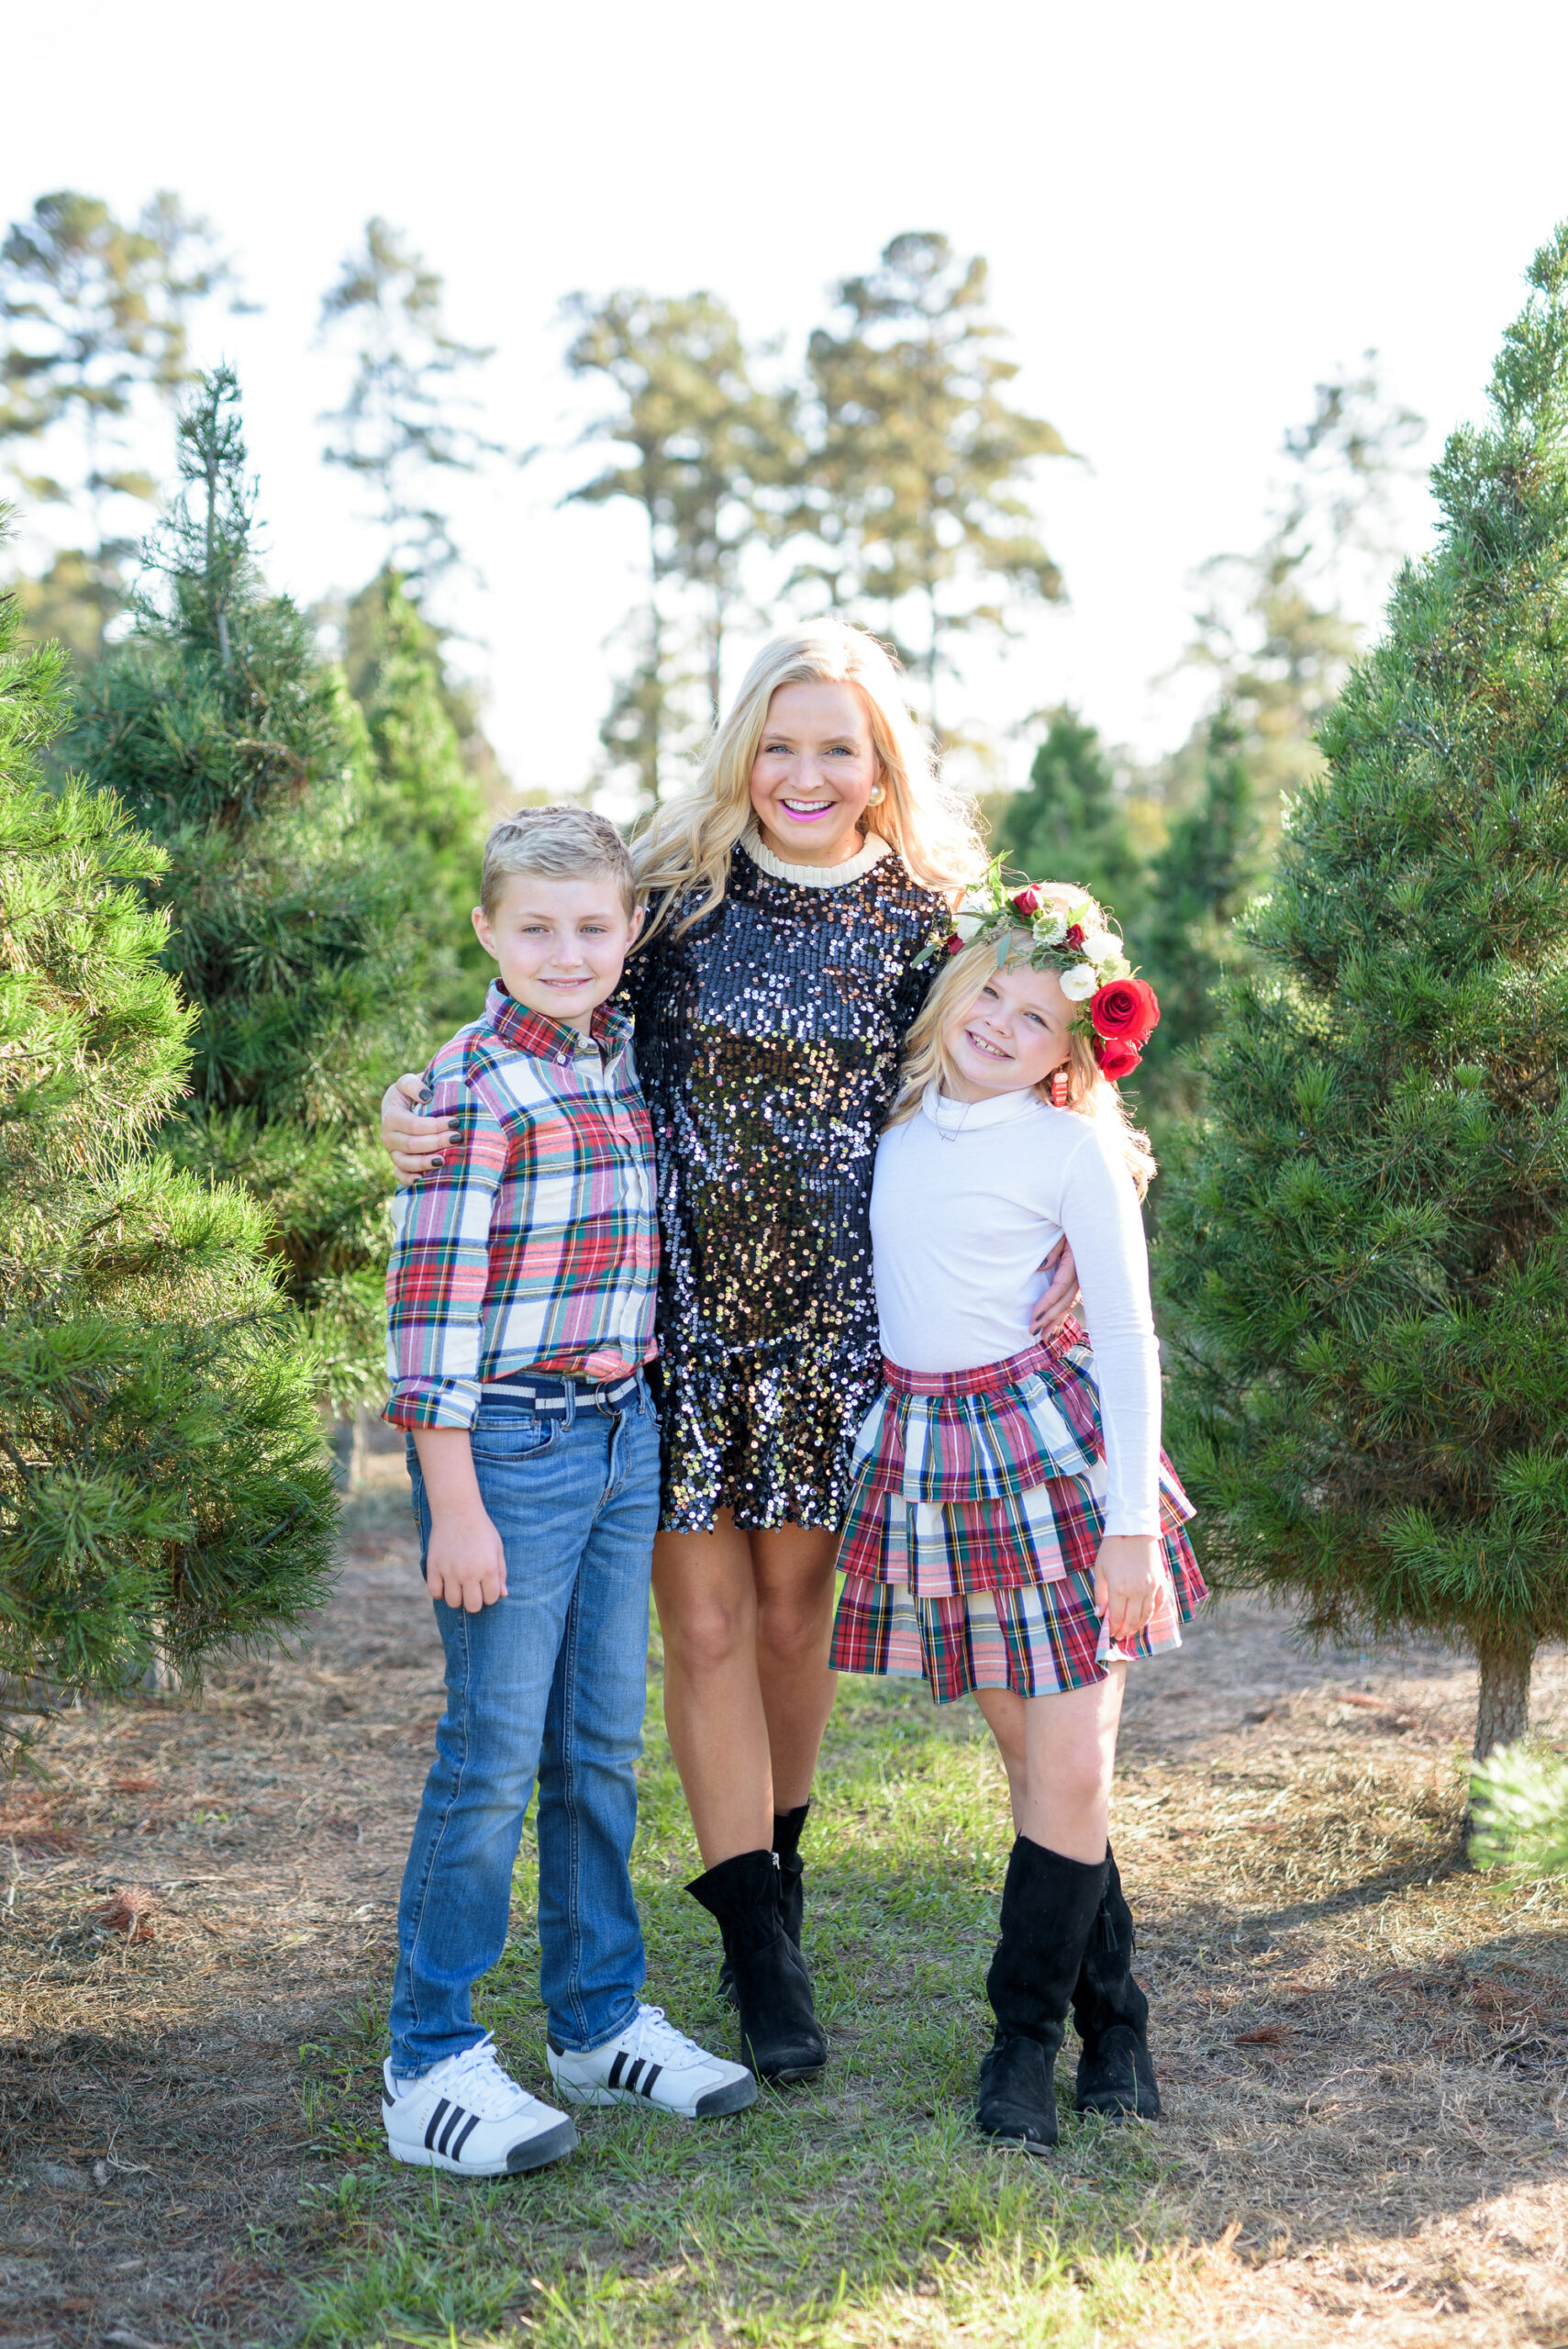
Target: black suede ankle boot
(1116, 2071)
(1048, 1905)
(780, 2036)
(787, 1826)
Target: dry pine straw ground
(1363, 2047)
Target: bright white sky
(1191, 215)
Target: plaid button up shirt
(535, 1245)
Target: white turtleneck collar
(815, 876)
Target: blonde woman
(1016, 1531)
(790, 894)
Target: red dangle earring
(1060, 1083)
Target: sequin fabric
(767, 1046)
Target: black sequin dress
(767, 1043)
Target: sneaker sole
(735, 2098)
(534, 2153)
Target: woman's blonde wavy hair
(682, 855)
(958, 984)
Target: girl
(1015, 1528)
(792, 892)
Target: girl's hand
(414, 1143)
(465, 1562)
(1126, 1582)
(1061, 1296)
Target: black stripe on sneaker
(457, 2114)
(435, 2122)
(631, 2077)
(617, 2067)
(653, 2072)
(460, 2139)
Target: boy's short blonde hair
(559, 844)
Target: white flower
(1099, 946)
(1080, 983)
(1052, 932)
(1115, 966)
(968, 925)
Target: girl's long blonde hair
(958, 984)
(682, 856)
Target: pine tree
(246, 759)
(1368, 1258)
(421, 802)
(1187, 941)
(705, 443)
(1069, 824)
(913, 485)
(402, 425)
(162, 1483)
(94, 314)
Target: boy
(520, 1312)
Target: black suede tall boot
(780, 2035)
(787, 1826)
(1116, 2071)
(1048, 1905)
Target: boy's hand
(1126, 1582)
(465, 1562)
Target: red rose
(1028, 901)
(1074, 936)
(1128, 1010)
(1117, 1058)
(954, 944)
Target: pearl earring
(874, 795)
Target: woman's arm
(415, 1143)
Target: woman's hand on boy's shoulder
(414, 1143)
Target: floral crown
(1120, 1012)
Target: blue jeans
(549, 1683)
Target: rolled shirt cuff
(433, 1403)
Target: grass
(1363, 2048)
(810, 2218)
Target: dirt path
(1365, 2053)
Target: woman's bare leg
(705, 1591)
(793, 1568)
(746, 1617)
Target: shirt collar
(552, 1040)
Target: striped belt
(548, 1396)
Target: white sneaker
(466, 2115)
(653, 2063)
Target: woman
(791, 892)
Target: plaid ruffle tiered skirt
(977, 1512)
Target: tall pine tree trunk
(1502, 1714)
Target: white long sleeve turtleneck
(967, 1202)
